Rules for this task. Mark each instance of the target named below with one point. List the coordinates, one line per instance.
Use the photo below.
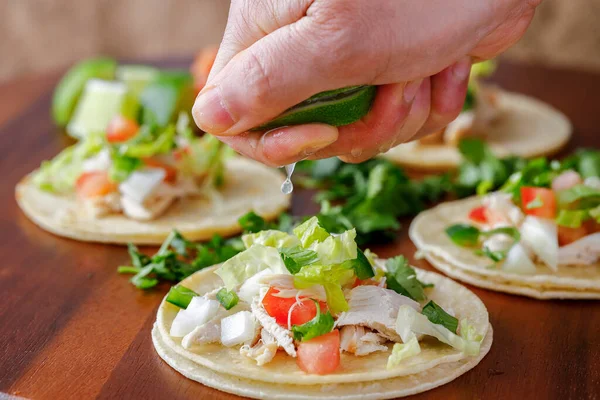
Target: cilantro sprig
(402, 278)
(178, 257)
(320, 325)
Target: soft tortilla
(248, 186)
(381, 389)
(426, 370)
(427, 231)
(526, 127)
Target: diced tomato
(535, 194)
(570, 235)
(121, 129)
(478, 214)
(279, 308)
(202, 66)
(171, 171)
(320, 355)
(94, 184)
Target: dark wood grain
(70, 327)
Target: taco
(309, 315)
(137, 183)
(539, 236)
(510, 123)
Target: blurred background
(46, 35)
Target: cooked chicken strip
(263, 351)
(282, 336)
(357, 340)
(585, 251)
(375, 308)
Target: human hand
(277, 53)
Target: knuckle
(257, 79)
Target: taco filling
(137, 171)
(556, 223)
(313, 297)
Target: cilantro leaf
(297, 257)
(402, 278)
(361, 266)
(437, 315)
(320, 325)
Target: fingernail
(278, 138)
(462, 69)
(210, 114)
(411, 89)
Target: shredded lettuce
(572, 218)
(205, 155)
(310, 232)
(410, 322)
(331, 277)
(270, 238)
(249, 262)
(402, 351)
(60, 174)
(149, 142)
(336, 249)
(122, 166)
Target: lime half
(335, 107)
(99, 103)
(136, 77)
(69, 89)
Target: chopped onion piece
(140, 184)
(251, 288)
(541, 237)
(517, 261)
(199, 311)
(238, 328)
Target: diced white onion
(251, 288)
(100, 162)
(199, 311)
(541, 237)
(238, 328)
(517, 261)
(140, 184)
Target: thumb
(257, 84)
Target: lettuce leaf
(149, 142)
(249, 262)
(410, 322)
(310, 232)
(331, 277)
(60, 174)
(270, 238)
(402, 351)
(336, 249)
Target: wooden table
(71, 327)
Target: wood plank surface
(72, 328)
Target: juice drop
(287, 186)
